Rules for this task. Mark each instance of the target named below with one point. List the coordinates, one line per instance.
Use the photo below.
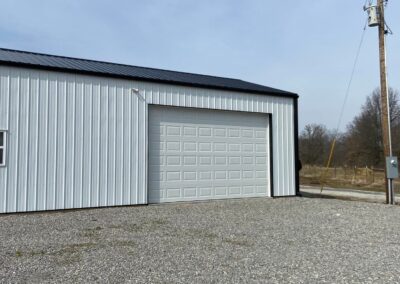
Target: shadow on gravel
(343, 198)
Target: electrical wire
(351, 78)
(336, 133)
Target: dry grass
(356, 178)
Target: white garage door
(197, 154)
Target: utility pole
(385, 111)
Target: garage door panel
(218, 119)
(214, 192)
(245, 169)
(204, 183)
(206, 154)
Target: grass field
(357, 178)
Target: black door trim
(271, 154)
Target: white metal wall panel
(80, 141)
(197, 154)
(70, 142)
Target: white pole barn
(77, 133)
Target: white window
(2, 148)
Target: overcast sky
(306, 46)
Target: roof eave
(170, 82)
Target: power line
(351, 79)
(344, 103)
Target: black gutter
(119, 76)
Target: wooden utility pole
(385, 112)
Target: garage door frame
(270, 158)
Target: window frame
(4, 148)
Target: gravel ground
(290, 240)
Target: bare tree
(361, 145)
(364, 133)
(312, 144)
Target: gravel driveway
(298, 240)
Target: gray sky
(306, 46)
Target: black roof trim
(106, 69)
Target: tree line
(360, 144)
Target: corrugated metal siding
(80, 141)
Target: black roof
(76, 65)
